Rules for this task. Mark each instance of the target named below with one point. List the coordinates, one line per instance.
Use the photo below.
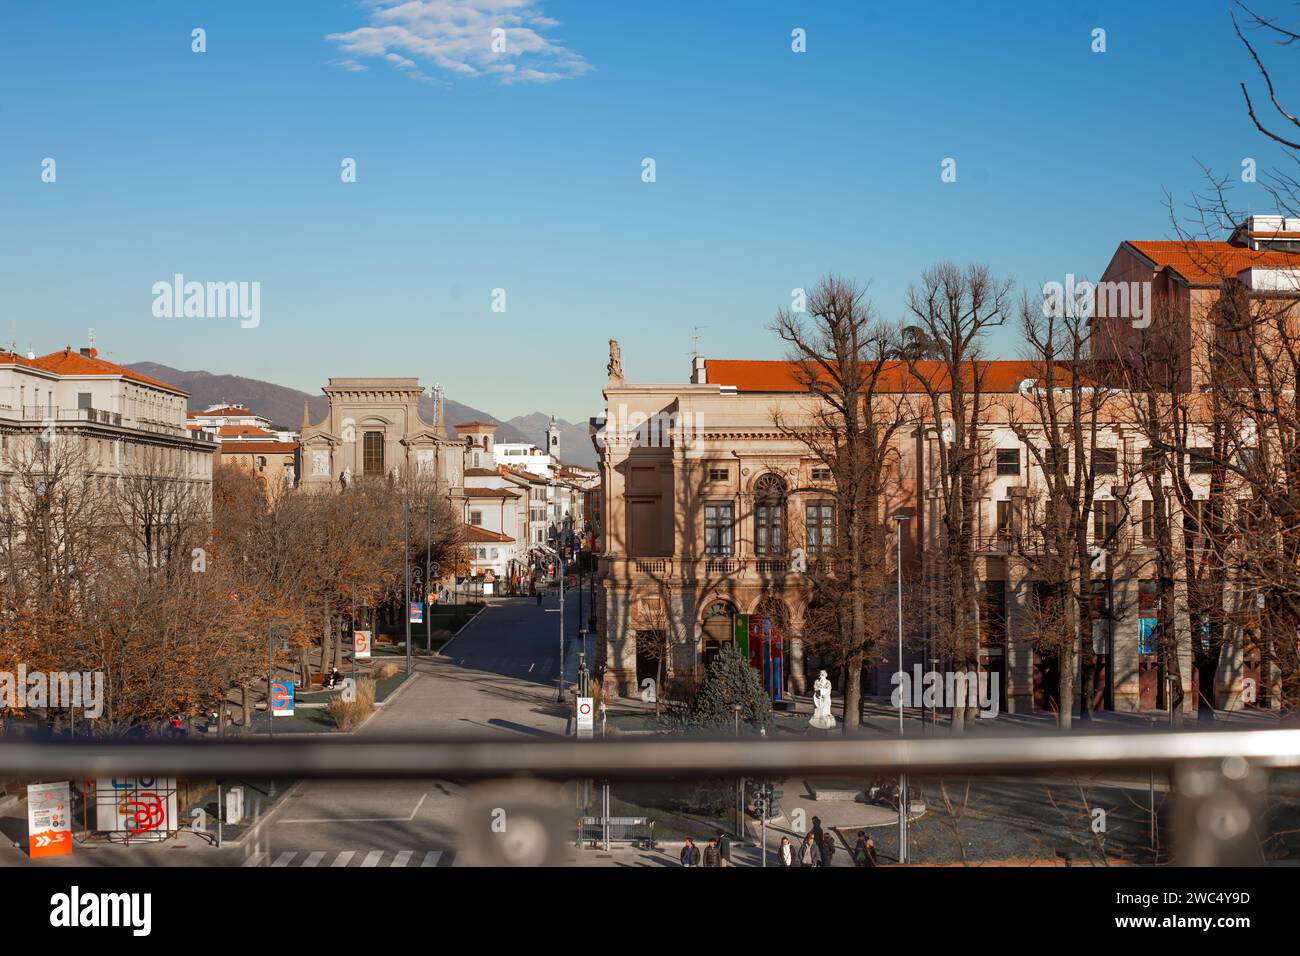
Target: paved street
(498, 676)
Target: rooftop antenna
(695, 342)
(92, 340)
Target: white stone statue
(346, 477)
(822, 717)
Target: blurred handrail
(637, 758)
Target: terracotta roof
(1205, 263)
(490, 493)
(474, 425)
(778, 376)
(475, 533)
(482, 473)
(257, 447)
(13, 358)
(71, 362)
(243, 430)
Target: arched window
(769, 515)
(373, 453)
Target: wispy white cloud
(457, 37)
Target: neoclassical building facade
(374, 430)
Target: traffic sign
(282, 698)
(360, 643)
(586, 717)
(49, 819)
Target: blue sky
(772, 168)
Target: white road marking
(344, 858)
(284, 858)
(531, 666)
(401, 858)
(406, 819)
(255, 860)
(372, 858)
(431, 858)
(313, 859)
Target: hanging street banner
(282, 698)
(49, 819)
(417, 612)
(360, 643)
(742, 635)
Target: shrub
(384, 671)
(729, 681)
(349, 714)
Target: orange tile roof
(1204, 263)
(482, 473)
(490, 493)
(71, 362)
(257, 447)
(243, 430)
(483, 535)
(778, 376)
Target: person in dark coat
(724, 848)
(827, 847)
(711, 857)
(690, 854)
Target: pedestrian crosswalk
(358, 858)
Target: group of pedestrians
(717, 853)
(817, 848)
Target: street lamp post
(902, 519)
(406, 561)
(560, 559)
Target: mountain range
(283, 406)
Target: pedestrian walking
(724, 848)
(711, 857)
(827, 847)
(808, 855)
(539, 598)
(817, 830)
(786, 852)
(690, 854)
(859, 853)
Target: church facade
(374, 430)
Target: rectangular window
(820, 519)
(719, 474)
(1148, 519)
(1201, 462)
(84, 400)
(1056, 459)
(1008, 461)
(1105, 461)
(373, 453)
(821, 474)
(476, 518)
(1248, 459)
(719, 529)
(1153, 459)
(1194, 519)
(1105, 515)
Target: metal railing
(640, 758)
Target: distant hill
(284, 405)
